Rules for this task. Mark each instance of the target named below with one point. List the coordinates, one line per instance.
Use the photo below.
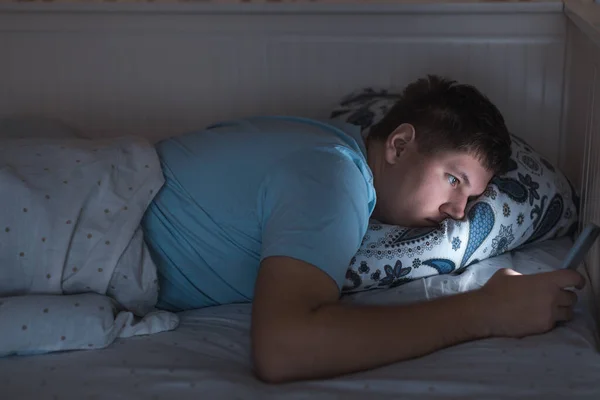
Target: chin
(423, 223)
(431, 223)
(418, 224)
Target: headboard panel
(146, 70)
(581, 138)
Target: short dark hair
(448, 116)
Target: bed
(155, 69)
(208, 356)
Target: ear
(398, 142)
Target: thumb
(565, 278)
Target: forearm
(336, 338)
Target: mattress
(208, 356)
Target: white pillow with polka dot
(38, 324)
(70, 218)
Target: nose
(454, 209)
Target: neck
(374, 151)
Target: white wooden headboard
(160, 69)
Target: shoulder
(331, 168)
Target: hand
(522, 305)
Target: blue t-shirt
(240, 191)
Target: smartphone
(582, 245)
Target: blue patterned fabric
(532, 202)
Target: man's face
(417, 190)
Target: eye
(453, 181)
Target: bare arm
(301, 331)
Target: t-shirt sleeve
(315, 208)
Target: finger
(565, 278)
(581, 283)
(563, 314)
(566, 298)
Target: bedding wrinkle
(74, 218)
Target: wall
(114, 71)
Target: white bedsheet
(207, 357)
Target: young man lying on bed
(271, 210)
